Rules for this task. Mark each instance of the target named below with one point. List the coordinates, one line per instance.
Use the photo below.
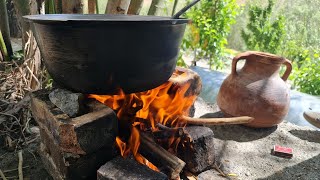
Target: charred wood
(166, 132)
(198, 150)
(165, 161)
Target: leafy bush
(264, 34)
(306, 73)
(206, 36)
(302, 22)
(297, 37)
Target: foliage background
(300, 42)
(290, 29)
(215, 34)
(207, 35)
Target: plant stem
(52, 9)
(4, 26)
(20, 165)
(2, 175)
(97, 7)
(3, 48)
(174, 7)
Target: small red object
(282, 151)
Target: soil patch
(245, 153)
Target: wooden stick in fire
(165, 161)
(166, 132)
(216, 121)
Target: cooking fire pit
(79, 134)
(120, 94)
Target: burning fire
(144, 110)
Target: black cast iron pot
(98, 54)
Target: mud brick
(70, 165)
(48, 163)
(120, 168)
(74, 167)
(199, 154)
(80, 135)
(64, 165)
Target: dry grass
(17, 79)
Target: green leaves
(306, 72)
(211, 24)
(262, 33)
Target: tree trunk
(58, 6)
(156, 7)
(29, 44)
(4, 27)
(41, 6)
(135, 7)
(85, 6)
(73, 6)
(117, 6)
(25, 7)
(92, 6)
(49, 7)
(15, 29)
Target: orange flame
(164, 105)
(134, 144)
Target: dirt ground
(245, 153)
(242, 152)
(32, 165)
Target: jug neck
(261, 68)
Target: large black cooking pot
(100, 54)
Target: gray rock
(73, 167)
(67, 101)
(123, 169)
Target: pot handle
(286, 74)
(235, 60)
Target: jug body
(257, 90)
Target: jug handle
(248, 54)
(288, 65)
(235, 60)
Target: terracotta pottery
(257, 89)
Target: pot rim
(104, 18)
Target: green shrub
(306, 75)
(263, 33)
(206, 36)
(302, 22)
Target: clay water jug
(256, 90)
